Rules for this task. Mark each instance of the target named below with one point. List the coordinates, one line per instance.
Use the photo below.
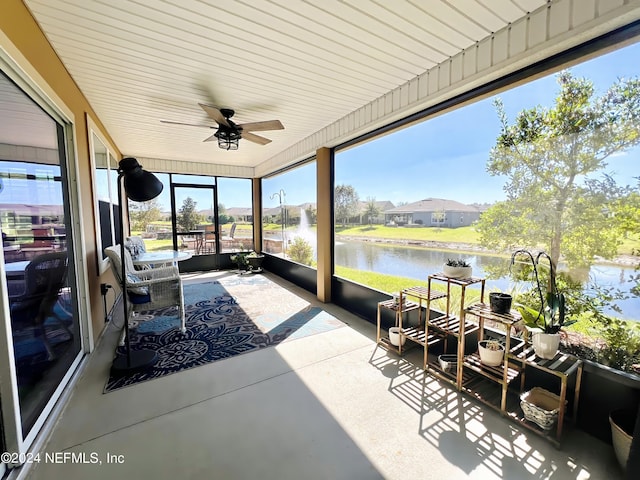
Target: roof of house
(434, 205)
(382, 205)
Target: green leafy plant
(551, 316)
(622, 345)
(240, 259)
(301, 251)
(616, 342)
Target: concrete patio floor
(327, 406)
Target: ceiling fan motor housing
(227, 112)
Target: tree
(188, 218)
(559, 196)
(223, 217)
(346, 203)
(372, 211)
(144, 213)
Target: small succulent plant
(493, 345)
(457, 263)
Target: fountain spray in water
(305, 232)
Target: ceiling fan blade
(212, 138)
(255, 138)
(215, 114)
(187, 124)
(262, 126)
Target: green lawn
(459, 235)
(378, 281)
(153, 245)
(630, 245)
(393, 284)
(420, 234)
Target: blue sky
(445, 157)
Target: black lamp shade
(139, 185)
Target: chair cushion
(133, 278)
(139, 299)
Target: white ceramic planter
(491, 358)
(456, 272)
(545, 344)
(395, 337)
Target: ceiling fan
(229, 133)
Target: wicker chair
(149, 289)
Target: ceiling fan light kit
(230, 133)
(227, 139)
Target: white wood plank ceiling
(307, 63)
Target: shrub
(300, 251)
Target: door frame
(19, 71)
(199, 262)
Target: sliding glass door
(41, 341)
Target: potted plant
(545, 322)
(396, 337)
(491, 352)
(500, 302)
(240, 260)
(456, 268)
(254, 261)
(251, 262)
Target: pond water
(418, 263)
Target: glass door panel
(36, 226)
(195, 230)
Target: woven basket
(622, 424)
(540, 407)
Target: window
(466, 164)
(289, 214)
(235, 214)
(438, 218)
(105, 183)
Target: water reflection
(418, 263)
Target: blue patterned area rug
(219, 328)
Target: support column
(256, 186)
(324, 174)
